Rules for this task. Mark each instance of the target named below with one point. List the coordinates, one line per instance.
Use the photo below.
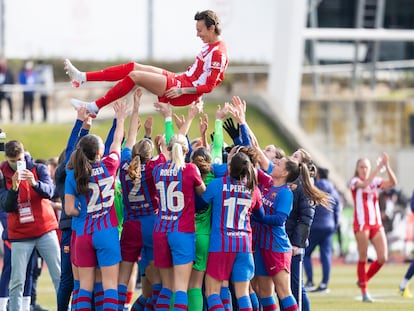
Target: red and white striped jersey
(209, 67)
(366, 206)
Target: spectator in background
(6, 269)
(45, 82)
(6, 77)
(31, 222)
(28, 80)
(322, 229)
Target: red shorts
(100, 248)
(131, 241)
(237, 267)
(275, 262)
(373, 230)
(73, 248)
(178, 81)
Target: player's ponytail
(314, 194)
(178, 147)
(81, 160)
(142, 151)
(134, 168)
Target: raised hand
(137, 99)
(238, 109)
(120, 108)
(231, 129)
(178, 120)
(148, 126)
(203, 123)
(221, 113)
(163, 108)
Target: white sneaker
(76, 77)
(91, 107)
(367, 298)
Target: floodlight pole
(150, 38)
(2, 32)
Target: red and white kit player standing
(368, 226)
(201, 77)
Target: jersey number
(171, 199)
(230, 205)
(107, 194)
(133, 194)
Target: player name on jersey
(168, 172)
(236, 188)
(267, 202)
(97, 171)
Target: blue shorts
(173, 248)
(100, 248)
(237, 267)
(143, 262)
(147, 227)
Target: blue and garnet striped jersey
(232, 204)
(140, 197)
(176, 188)
(97, 210)
(275, 199)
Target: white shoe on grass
(367, 298)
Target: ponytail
(81, 160)
(314, 194)
(178, 147)
(134, 168)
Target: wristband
(168, 119)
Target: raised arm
(203, 124)
(148, 127)
(121, 113)
(134, 122)
(239, 112)
(217, 150)
(392, 179)
(194, 109)
(74, 134)
(166, 112)
(374, 172)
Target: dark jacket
(8, 79)
(300, 218)
(3, 214)
(65, 222)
